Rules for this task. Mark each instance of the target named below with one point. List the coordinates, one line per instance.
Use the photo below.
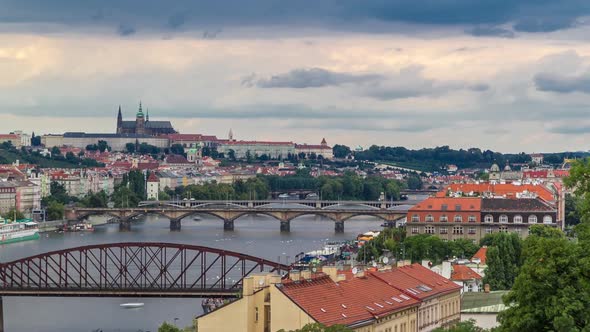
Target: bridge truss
(132, 269)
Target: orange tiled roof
(501, 189)
(436, 203)
(463, 272)
(481, 254)
(346, 302)
(411, 279)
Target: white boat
(131, 305)
(20, 230)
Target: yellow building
(366, 302)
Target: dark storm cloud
(526, 15)
(308, 78)
(570, 129)
(125, 30)
(562, 84)
(490, 31)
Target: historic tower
(119, 121)
(139, 122)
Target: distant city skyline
(510, 77)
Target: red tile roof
(8, 136)
(508, 189)
(411, 279)
(481, 254)
(463, 272)
(346, 302)
(153, 178)
(257, 143)
(436, 203)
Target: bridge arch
(132, 269)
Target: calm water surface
(254, 235)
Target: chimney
(447, 269)
(425, 263)
(306, 274)
(340, 277)
(486, 288)
(295, 275)
(331, 271)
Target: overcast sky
(508, 75)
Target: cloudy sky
(508, 75)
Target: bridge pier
(339, 226)
(1, 315)
(228, 225)
(174, 224)
(124, 225)
(285, 226)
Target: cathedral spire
(140, 105)
(147, 115)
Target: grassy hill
(9, 157)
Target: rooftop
(518, 205)
(451, 203)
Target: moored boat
(16, 231)
(131, 305)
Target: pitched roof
(463, 272)
(347, 302)
(515, 204)
(417, 281)
(176, 159)
(153, 178)
(501, 189)
(481, 255)
(436, 204)
(158, 124)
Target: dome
(139, 114)
(495, 168)
(507, 168)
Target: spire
(140, 105)
(119, 116)
(231, 135)
(147, 114)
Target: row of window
(460, 230)
(444, 218)
(503, 219)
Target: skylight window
(343, 306)
(396, 299)
(390, 303)
(424, 288)
(377, 304)
(405, 297)
(370, 308)
(323, 310)
(343, 315)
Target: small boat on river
(132, 305)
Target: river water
(254, 235)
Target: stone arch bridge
(229, 211)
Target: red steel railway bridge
(132, 269)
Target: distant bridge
(229, 211)
(133, 270)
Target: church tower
(139, 121)
(119, 121)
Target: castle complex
(142, 125)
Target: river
(254, 235)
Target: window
(458, 218)
(472, 218)
(471, 230)
(457, 229)
(429, 229)
(489, 230)
(518, 219)
(457, 207)
(444, 207)
(443, 218)
(503, 219)
(415, 230)
(488, 218)
(532, 219)
(429, 218)
(415, 218)
(503, 229)
(443, 230)
(547, 219)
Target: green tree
(103, 146)
(414, 181)
(130, 148)
(58, 193)
(465, 326)
(317, 327)
(503, 260)
(55, 151)
(579, 180)
(552, 290)
(163, 196)
(54, 210)
(231, 154)
(13, 214)
(341, 151)
(177, 149)
(167, 327)
(35, 140)
(94, 200)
